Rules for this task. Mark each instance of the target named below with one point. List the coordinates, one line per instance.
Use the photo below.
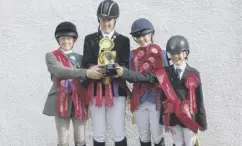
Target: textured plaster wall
(213, 28)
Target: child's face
(178, 58)
(144, 40)
(107, 25)
(66, 42)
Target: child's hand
(95, 72)
(120, 71)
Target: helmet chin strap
(152, 36)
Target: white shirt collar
(110, 35)
(182, 66)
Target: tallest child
(107, 14)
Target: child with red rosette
(146, 97)
(183, 112)
(66, 99)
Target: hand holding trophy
(119, 70)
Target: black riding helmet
(177, 44)
(66, 29)
(108, 9)
(141, 27)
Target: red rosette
(140, 54)
(151, 59)
(192, 80)
(154, 50)
(146, 67)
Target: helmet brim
(107, 17)
(176, 51)
(142, 32)
(69, 34)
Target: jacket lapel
(186, 71)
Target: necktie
(178, 72)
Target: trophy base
(111, 70)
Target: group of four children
(166, 93)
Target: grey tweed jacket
(58, 71)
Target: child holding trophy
(107, 95)
(66, 100)
(146, 97)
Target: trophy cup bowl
(110, 65)
(107, 57)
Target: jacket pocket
(52, 93)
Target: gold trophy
(107, 57)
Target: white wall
(213, 28)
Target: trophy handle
(105, 44)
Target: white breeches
(62, 127)
(183, 136)
(147, 120)
(115, 116)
